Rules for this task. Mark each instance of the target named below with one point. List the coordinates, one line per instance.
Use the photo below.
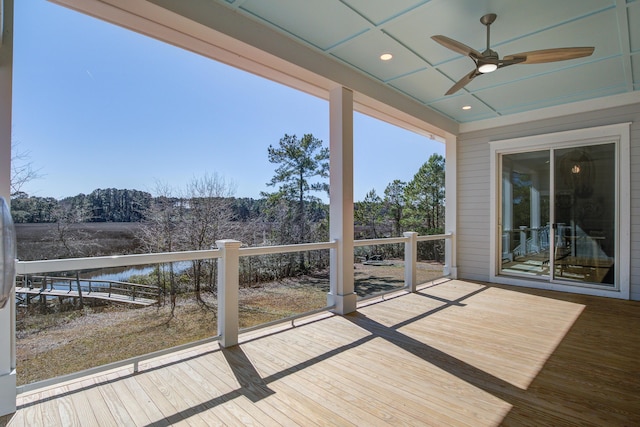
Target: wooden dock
(44, 287)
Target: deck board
(454, 353)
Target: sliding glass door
(557, 219)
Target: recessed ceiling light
(467, 107)
(386, 56)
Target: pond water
(123, 274)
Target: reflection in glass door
(558, 214)
(585, 214)
(525, 224)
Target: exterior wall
(473, 191)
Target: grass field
(41, 241)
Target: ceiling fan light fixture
(487, 68)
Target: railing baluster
(228, 284)
(410, 260)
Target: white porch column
(228, 284)
(341, 200)
(7, 314)
(410, 259)
(451, 205)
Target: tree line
(108, 205)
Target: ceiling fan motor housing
(489, 61)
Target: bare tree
(74, 242)
(192, 220)
(207, 219)
(159, 233)
(22, 170)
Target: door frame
(618, 134)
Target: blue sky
(98, 106)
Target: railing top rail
(265, 250)
(392, 240)
(381, 241)
(50, 266)
(434, 237)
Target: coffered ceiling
(357, 32)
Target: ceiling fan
(489, 61)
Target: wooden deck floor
(454, 353)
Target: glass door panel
(585, 214)
(524, 221)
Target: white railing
(228, 254)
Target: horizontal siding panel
(475, 163)
(473, 197)
(479, 260)
(477, 216)
(474, 242)
(481, 244)
(474, 228)
(475, 239)
(467, 273)
(473, 202)
(473, 169)
(478, 183)
(472, 275)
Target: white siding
(473, 185)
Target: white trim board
(552, 112)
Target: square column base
(344, 304)
(8, 393)
(451, 272)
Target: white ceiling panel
(452, 107)
(424, 85)
(635, 65)
(380, 11)
(320, 23)
(364, 53)
(633, 11)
